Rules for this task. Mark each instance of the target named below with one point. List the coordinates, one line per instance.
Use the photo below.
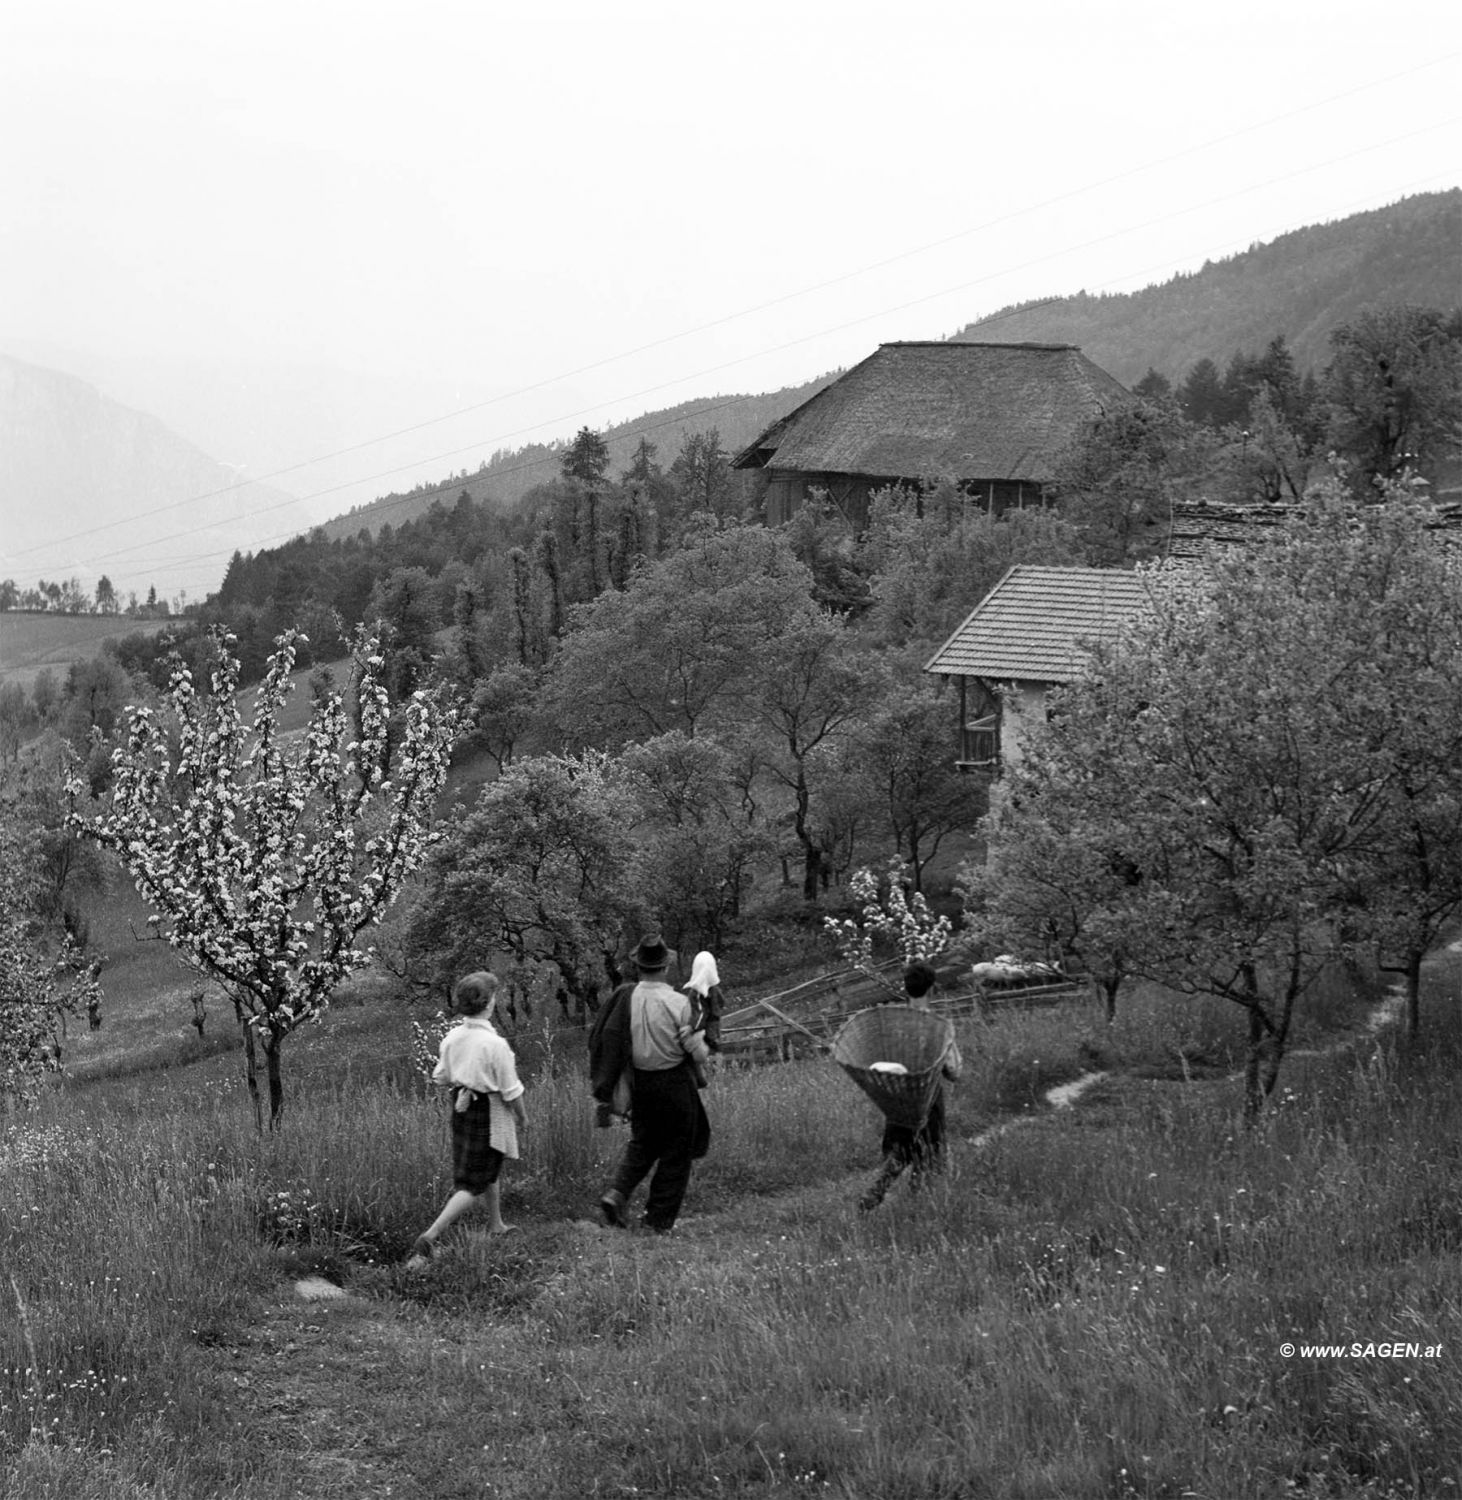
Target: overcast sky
(577, 212)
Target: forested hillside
(510, 473)
(1302, 285)
(533, 608)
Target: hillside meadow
(30, 643)
(35, 642)
(1088, 1302)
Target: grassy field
(1088, 1302)
(30, 643)
(33, 643)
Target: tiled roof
(1032, 625)
(943, 410)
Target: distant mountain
(90, 487)
(1304, 285)
(318, 428)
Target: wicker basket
(917, 1039)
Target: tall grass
(1090, 1305)
(120, 1247)
(1070, 1315)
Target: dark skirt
(476, 1162)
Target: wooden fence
(805, 1018)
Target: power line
(416, 495)
(379, 507)
(724, 319)
(477, 446)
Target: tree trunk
(1253, 1085)
(1279, 1035)
(272, 1045)
(521, 601)
(811, 869)
(1099, 994)
(578, 997)
(1274, 1056)
(812, 856)
(251, 1067)
(1110, 985)
(1413, 995)
(592, 506)
(1261, 1070)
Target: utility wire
(726, 318)
(379, 508)
(479, 445)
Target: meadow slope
(1092, 1304)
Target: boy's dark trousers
(921, 1149)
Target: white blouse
(475, 1056)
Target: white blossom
(890, 915)
(264, 859)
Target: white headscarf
(703, 974)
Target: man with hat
(667, 1068)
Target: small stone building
(1027, 635)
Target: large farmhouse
(992, 417)
(1027, 635)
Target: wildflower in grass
(291, 1215)
(48, 1148)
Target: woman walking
(704, 989)
(477, 1066)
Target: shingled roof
(964, 411)
(1201, 527)
(1032, 625)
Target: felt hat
(652, 953)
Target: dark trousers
(668, 1131)
(902, 1147)
(922, 1147)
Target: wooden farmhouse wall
(787, 491)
